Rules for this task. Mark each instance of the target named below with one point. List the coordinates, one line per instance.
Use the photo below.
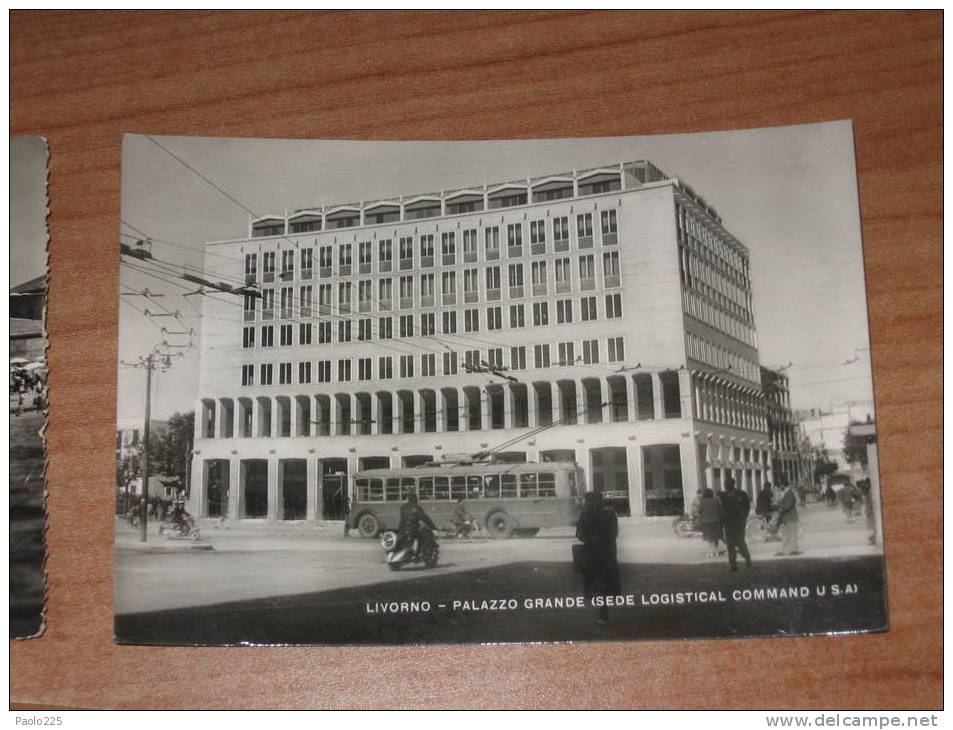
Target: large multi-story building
(611, 304)
(784, 433)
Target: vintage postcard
(28, 237)
(541, 390)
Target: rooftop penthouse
(495, 196)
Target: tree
(170, 449)
(824, 466)
(127, 471)
(855, 447)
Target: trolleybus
(508, 499)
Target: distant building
(827, 429)
(784, 433)
(26, 319)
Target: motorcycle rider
(412, 517)
(179, 516)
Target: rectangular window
(491, 239)
(286, 335)
(344, 297)
(563, 271)
(427, 324)
(493, 280)
(248, 337)
(287, 265)
(449, 323)
(471, 360)
(406, 292)
(494, 357)
(324, 299)
(471, 284)
(449, 286)
(561, 233)
(268, 304)
(344, 330)
(610, 266)
(364, 368)
(384, 293)
(268, 261)
(471, 320)
(344, 371)
(426, 290)
(344, 257)
(284, 373)
(364, 256)
(541, 356)
(407, 325)
(517, 316)
(590, 352)
(385, 254)
(539, 278)
(324, 257)
(305, 299)
(248, 374)
(251, 302)
(540, 314)
(385, 368)
(268, 336)
(537, 235)
(304, 372)
(584, 229)
(518, 358)
(588, 306)
(448, 248)
(613, 306)
(449, 363)
(494, 318)
(406, 366)
(385, 328)
(428, 365)
(567, 354)
(364, 295)
(514, 238)
(406, 246)
(609, 227)
(587, 267)
(287, 294)
(266, 371)
(564, 311)
(616, 349)
(516, 275)
(426, 250)
(324, 333)
(251, 268)
(470, 246)
(324, 371)
(364, 329)
(304, 333)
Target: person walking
(846, 498)
(736, 505)
(711, 516)
(787, 511)
(597, 529)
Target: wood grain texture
(83, 79)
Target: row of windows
(696, 234)
(424, 245)
(539, 314)
(490, 486)
(721, 358)
(565, 354)
(718, 318)
(420, 290)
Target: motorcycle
(424, 549)
(188, 529)
(685, 526)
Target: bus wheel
(368, 525)
(527, 532)
(500, 526)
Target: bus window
(392, 490)
(547, 484)
(376, 491)
(475, 487)
(441, 488)
(363, 494)
(492, 486)
(528, 485)
(458, 487)
(509, 486)
(408, 486)
(425, 488)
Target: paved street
(263, 561)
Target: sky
(27, 209)
(788, 193)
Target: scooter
(685, 526)
(424, 550)
(188, 529)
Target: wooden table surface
(83, 79)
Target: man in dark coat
(412, 516)
(736, 505)
(597, 529)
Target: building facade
(784, 433)
(602, 316)
(827, 428)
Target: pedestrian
(787, 512)
(846, 498)
(711, 515)
(597, 529)
(736, 505)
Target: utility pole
(144, 503)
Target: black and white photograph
(591, 389)
(27, 381)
